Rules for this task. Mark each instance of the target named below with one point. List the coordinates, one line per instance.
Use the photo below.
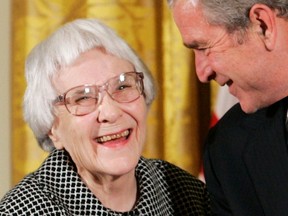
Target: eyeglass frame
(139, 76)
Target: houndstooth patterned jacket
(56, 189)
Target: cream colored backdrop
(178, 119)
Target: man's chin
(248, 108)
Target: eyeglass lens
(84, 99)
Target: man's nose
(203, 69)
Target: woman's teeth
(112, 137)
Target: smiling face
(109, 140)
(244, 66)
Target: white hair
(60, 50)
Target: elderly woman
(86, 101)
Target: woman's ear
(53, 135)
(263, 20)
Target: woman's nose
(204, 71)
(108, 109)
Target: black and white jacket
(56, 189)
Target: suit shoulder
(229, 133)
(233, 115)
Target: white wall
(5, 97)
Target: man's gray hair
(234, 15)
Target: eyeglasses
(82, 100)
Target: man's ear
(53, 134)
(263, 20)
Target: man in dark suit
(243, 44)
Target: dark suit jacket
(246, 163)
